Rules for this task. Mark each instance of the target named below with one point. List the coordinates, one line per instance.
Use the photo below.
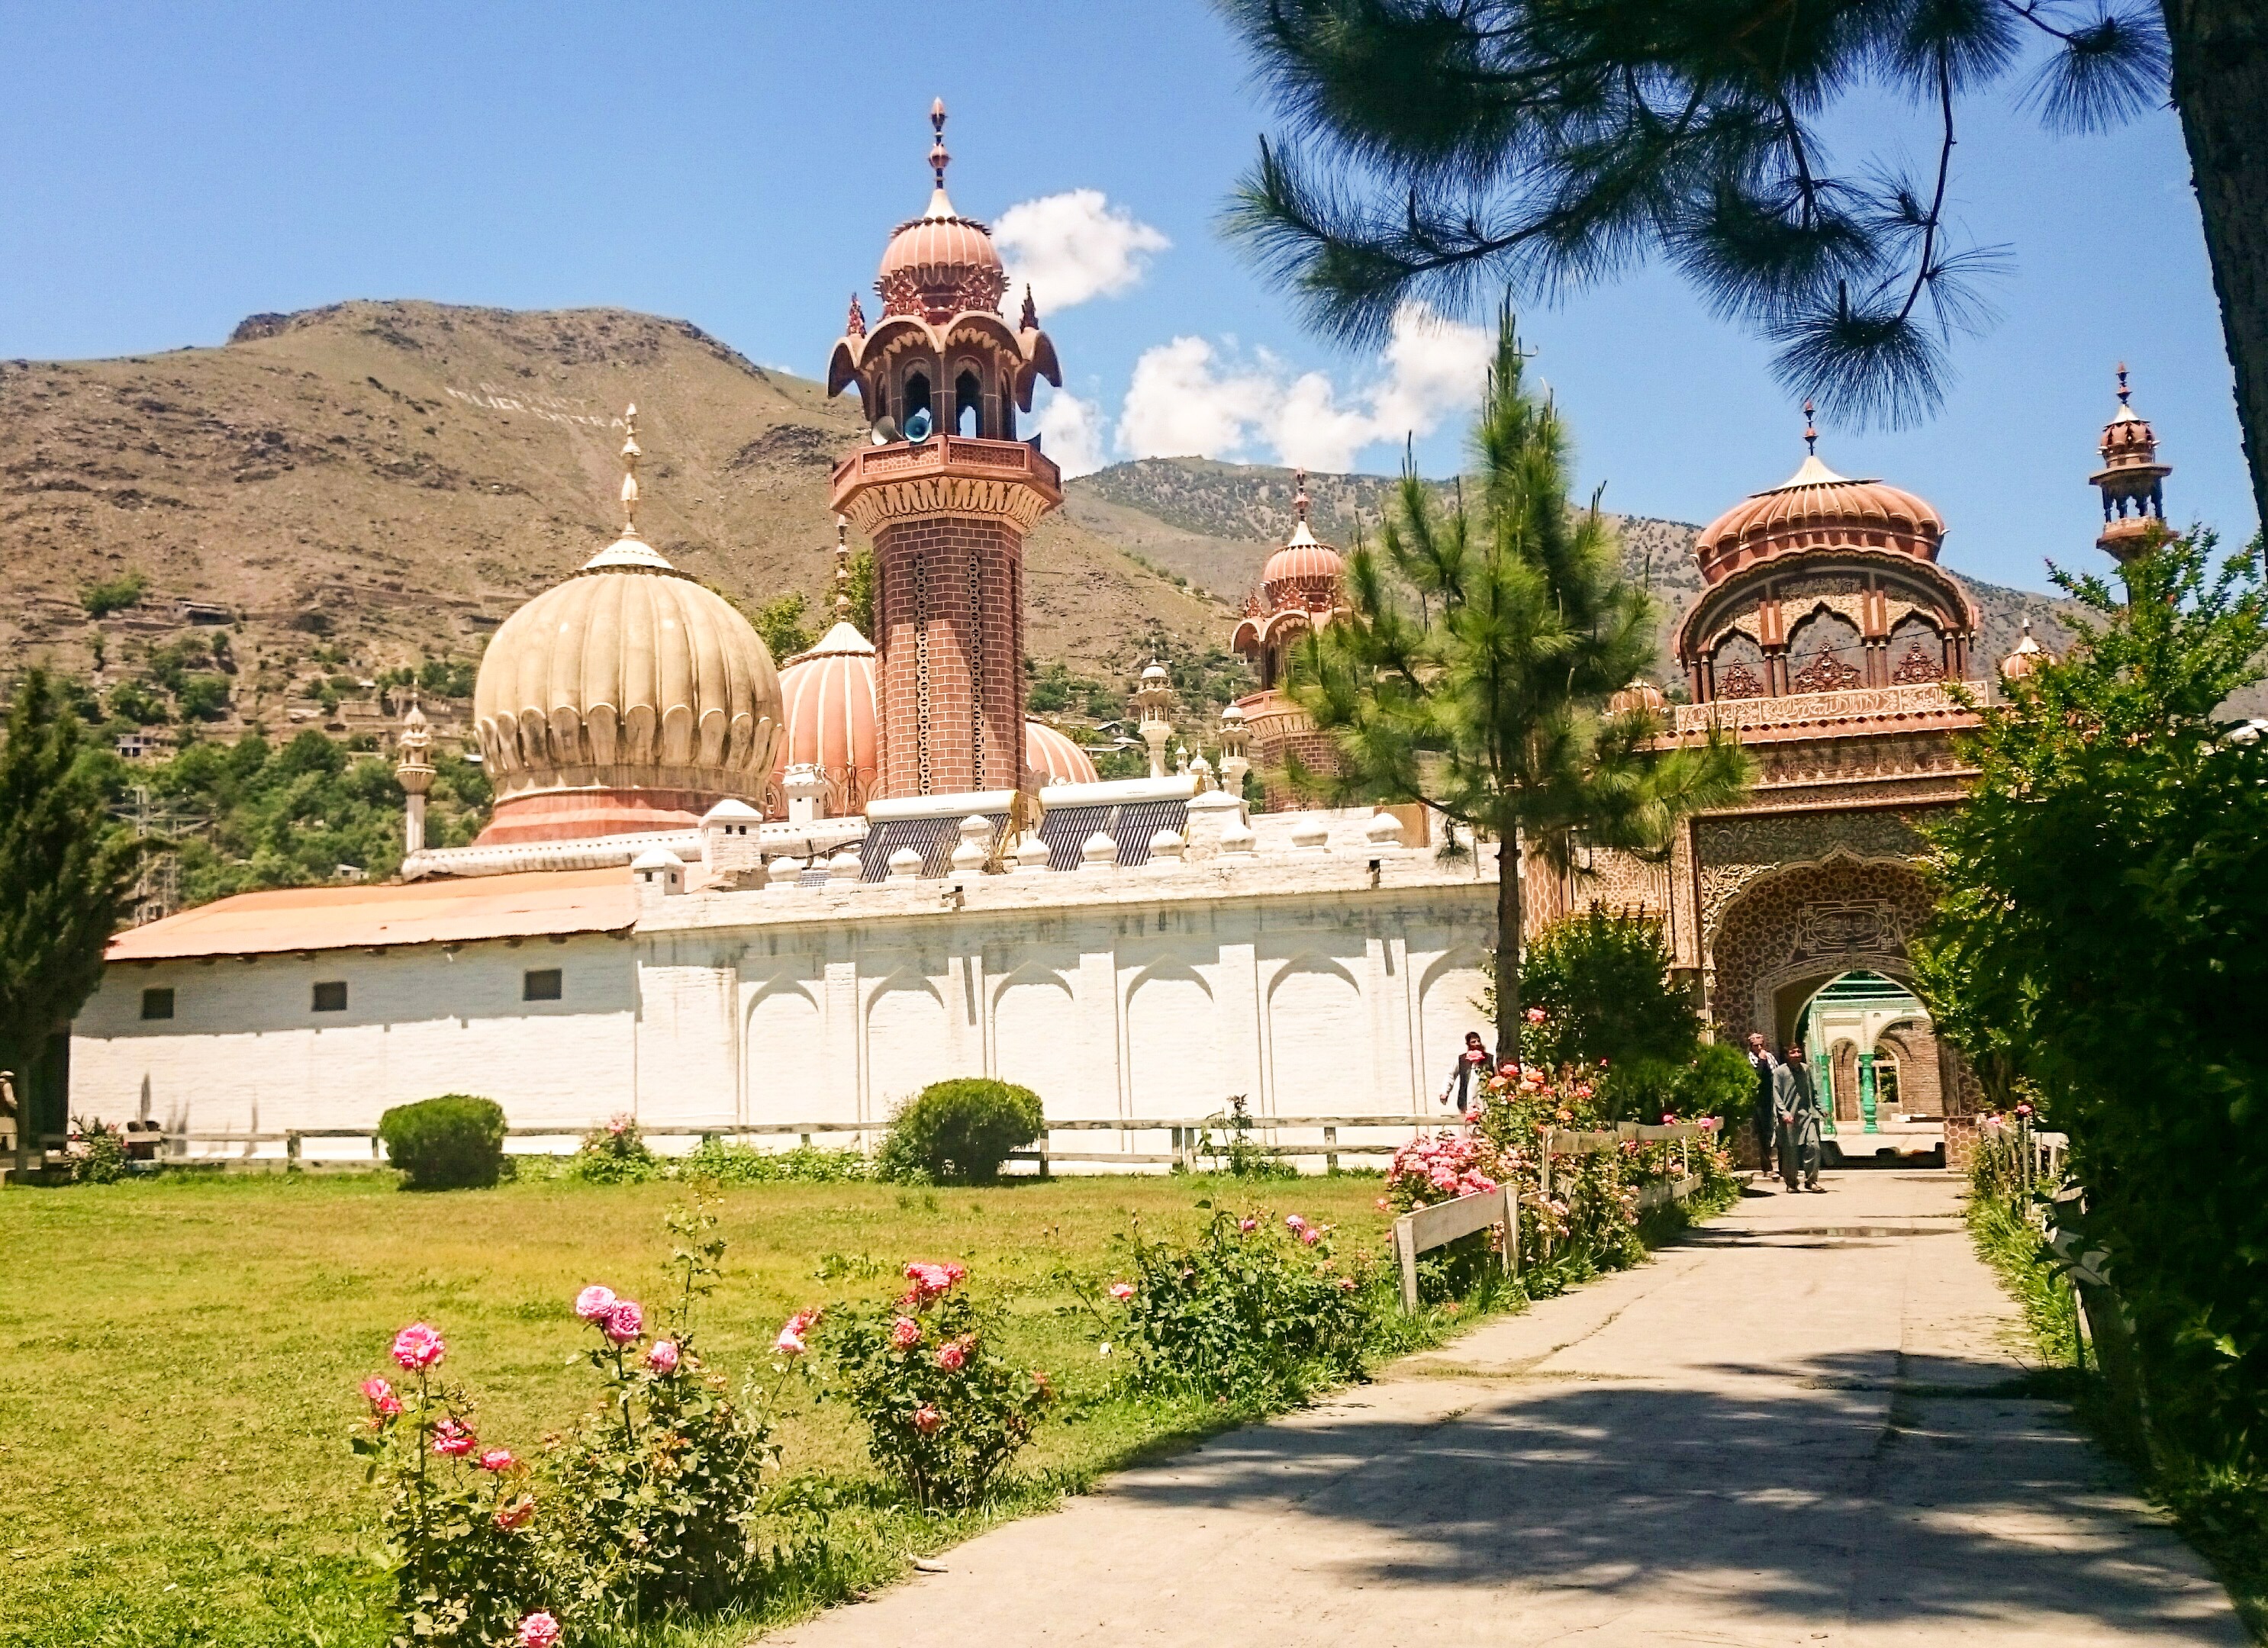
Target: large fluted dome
(1053, 758)
(1817, 509)
(627, 698)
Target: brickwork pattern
(949, 643)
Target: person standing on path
(1760, 1108)
(1472, 1068)
(1795, 1121)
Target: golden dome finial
(842, 568)
(631, 455)
(1810, 431)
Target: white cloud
(1073, 246)
(1074, 433)
(1189, 398)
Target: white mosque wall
(1116, 995)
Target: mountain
(350, 490)
(1215, 525)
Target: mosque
(727, 895)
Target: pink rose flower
(452, 1440)
(790, 1342)
(1536, 1015)
(418, 1347)
(517, 1514)
(497, 1458)
(1310, 1235)
(927, 1419)
(381, 1396)
(663, 1357)
(905, 1333)
(538, 1630)
(1248, 1226)
(1346, 1285)
(625, 1321)
(1121, 1291)
(952, 1354)
(593, 1302)
(1295, 1223)
(933, 1280)
(802, 1320)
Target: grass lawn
(174, 1411)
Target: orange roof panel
(529, 905)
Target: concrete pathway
(1785, 1430)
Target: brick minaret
(948, 492)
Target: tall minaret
(948, 492)
(2131, 478)
(413, 770)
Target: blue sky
(167, 170)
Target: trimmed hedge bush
(959, 1132)
(451, 1142)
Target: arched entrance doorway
(1881, 1079)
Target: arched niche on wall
(1308, 1000)
(1917, 652)
(1172, 1034)
(909, 1041)
(1034, 1017)
(1825, 653)
(1447, 1006)
(783, 1062)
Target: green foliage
(133, 701)
(1226, 1143)
(653, 1500)
(203, 697)
(1602, 982)
(861, 592)
(109, 595)
(1256, 1311)
(446, 678)
(616, 1153)
(780, 622)
(746, 1164)
(454, 1142)
(97, 1151)
(67, 871)
(1716, 1081)
(2102, 934)
(1489, 701)
(944, 1410)
(1441, 150)
(959, 1132)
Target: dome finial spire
(631, 455)
(2123, 390)
(842, 568)
(1811, 430)
(938, 158)
(1299, 499)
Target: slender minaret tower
(413, 770)
(2131, 479)
(948, 492)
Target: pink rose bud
(905, 1333)
(790, 1342)
(517, 1514)
(1310, 1235)
(663, 1357)
(497, 1458)
(952, 1354)
(927, 1419)
(418, 1347)
(593, 1302)
(1121, 1291)
(452, 1440)
(625, 1321)
(379, 1395)
(1248, 1226)
(539, 1630)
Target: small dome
(831, 721)
(1054, 758)
(940, 264)
(1817, 509)
(1641, 694)
(2028, 656)
(1303, 573)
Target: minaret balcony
(949, 475)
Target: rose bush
(1257, 1311)
(616, 1153)
(944, 1411)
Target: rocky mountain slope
(351, 491)
(355, 489)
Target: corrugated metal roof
(933, 838)
(1129, 823)
(531, 904)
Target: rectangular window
(331, 998)
(540, 984)
(157, 1004)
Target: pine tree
(1438, 146)
(67, 875)
(1489, 700)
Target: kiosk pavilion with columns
(725, 892)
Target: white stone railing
(1926, 698)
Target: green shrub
(1258, 1310)
(97, 1152)
(745, 1163)
(110, 595)
(450, 1143)
(616, 1153)
(1602, 981)
(959, 1132)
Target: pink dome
(828, 707)
(1053, 757)
(1817, 508)
(1303, 573)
